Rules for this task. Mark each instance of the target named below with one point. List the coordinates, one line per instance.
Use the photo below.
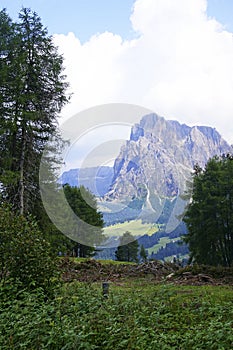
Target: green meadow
(135, 227)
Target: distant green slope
(136, 227)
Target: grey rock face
(159, 158)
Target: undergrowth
(137, 315)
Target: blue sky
(88, 17)
(83, 17)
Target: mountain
(160, 156)
(151, 172)
(153, 169)
(96, 179)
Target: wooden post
(105, 286)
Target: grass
(115, 262)
(136, 227)
(162, 243)
(138, 314)
(102, 261)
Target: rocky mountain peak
(159, 157)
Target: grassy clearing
(136, 227)
(137, 315)
(162, 243)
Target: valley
(149, 186)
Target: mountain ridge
(155, 146)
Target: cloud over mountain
(179, 64)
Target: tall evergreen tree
(143, 253)
(84, 205)
(128, 248)
(32, 93)
(209, 216)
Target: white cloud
(180, 65)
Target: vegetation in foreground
(138, 314)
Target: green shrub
(25, 256)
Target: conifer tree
(127, 249)
(209, 217)
(84, 205)
(32, 94)
(143, 253)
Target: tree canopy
(209, 216)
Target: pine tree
(127, 249)
(33, 91)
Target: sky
(87, 17)
(174, 57)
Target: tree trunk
(21, 180)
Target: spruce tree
(33, 92)
(209, 216)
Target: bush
(25, 256)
